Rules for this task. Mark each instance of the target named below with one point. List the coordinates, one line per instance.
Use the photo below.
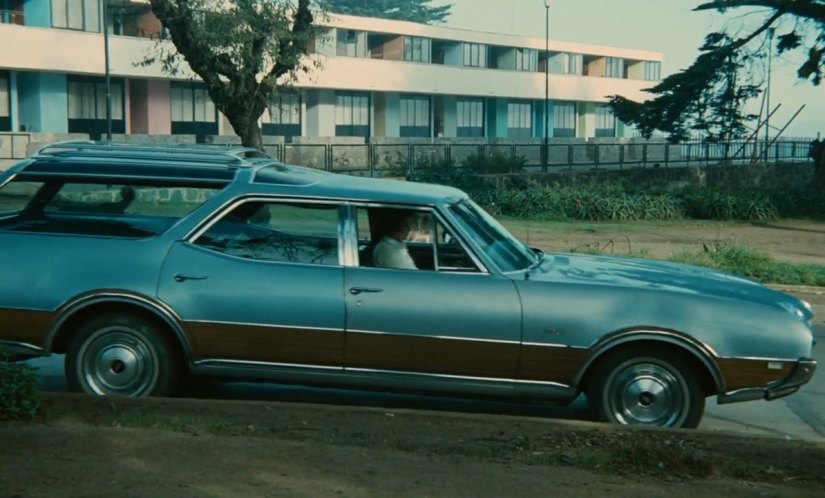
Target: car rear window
(106, 209)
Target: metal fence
(395, 159)
(381, 159)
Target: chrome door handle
(183, 278)
(358, 290)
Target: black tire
(122, 354)
(646, 386)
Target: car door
(262, 284)
(451, 320)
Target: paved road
(799, 416)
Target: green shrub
(710, 204)
(753, 264)
(19, 397)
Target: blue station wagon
(147, 263)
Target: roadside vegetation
(620, 202)
(19, 397)
(517, 199)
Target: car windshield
(506, 251)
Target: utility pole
(768, 96)
(105, 13)
(545, 148)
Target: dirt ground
(87, 446)
(792, 241)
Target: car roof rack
(230, 155)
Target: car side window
(430, 244)
(277, 231)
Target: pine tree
(403, 10)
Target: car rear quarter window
(14, 196)
(115, 209)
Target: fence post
(328, 157)
(371, 160)
(667, 155)
(621, 156)
(644, 155)
(569, 156)
(707, 154)
(410, 158)
(596, 155)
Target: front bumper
(800, 375)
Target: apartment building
(378, 78)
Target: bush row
(619, 202)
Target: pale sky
(666, 26)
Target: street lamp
(105, 25)
(545, 151)
(768, 97)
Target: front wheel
(647, 386)
(122, 355)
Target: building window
(527, 59)
(572, 64)
(653, 70)
(417, 49)
(87, 100)
(193, 112)
(11, 12)
(191, 103)
(470, 117)
(350, 43)
(415, 116)
(605, 121)
(82, 15)
(564, 119)
(475, 55)
(283, 116)
(614, 67)
(352, 114)
(86, 111)
(5, 114)
(519, 119)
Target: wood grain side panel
(266, 344)
(551, 363)
(27, 326)
(432, 355)
(740, 373)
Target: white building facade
(377, 78)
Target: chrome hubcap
(646, 393)
(116, 361)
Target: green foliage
(708, 96)
(705, 99)
(709, 204)
(19, 397)
(242, 50)
(403, 10)
(753, 264)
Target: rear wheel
(646, 386)
(117, 354)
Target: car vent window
(270, 231)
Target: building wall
(38, 13)
(321, 113)
(586, 119)
(43, 103)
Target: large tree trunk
(248, 129)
